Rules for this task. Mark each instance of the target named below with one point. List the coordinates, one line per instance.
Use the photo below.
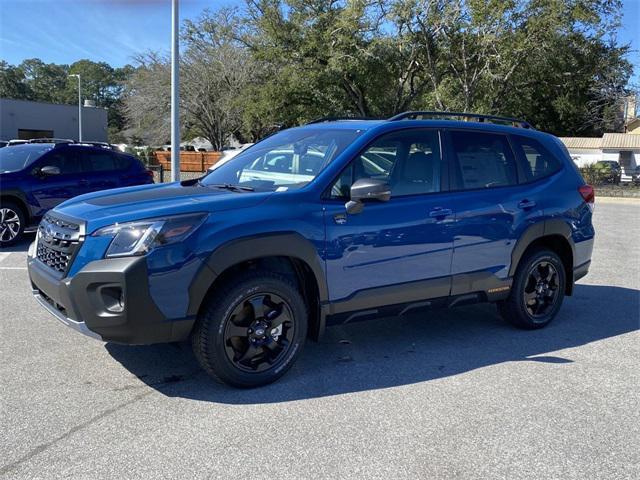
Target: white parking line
(13, 268)
(4, 255)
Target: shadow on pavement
(399, 351)
(21, 246)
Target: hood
(146, 201)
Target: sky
(64, 31)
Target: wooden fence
(189, 161)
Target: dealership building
(21, 119)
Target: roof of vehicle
(427, 118)
(388, 126)
(57, 143)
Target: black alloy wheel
(259, 332)
(541, 290)
(537, 290)
(12, 223)
(251, 328)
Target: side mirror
(49, 171)
(367, 189)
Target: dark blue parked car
(35, 177)
(327, 223)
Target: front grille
(56, 259)
(58, 241)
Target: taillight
(149, 173)
(588, 193)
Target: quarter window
(482, 160)
(538, 161)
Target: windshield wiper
(232, 187)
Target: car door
(491, 209)
(536, 169)
(51, 190)
(406, 241)
(101, 169)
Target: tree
(216, 73)
(146, 99)
(104, 85)
(550, 61)
(12, 82)
(336, 57)
(45, 82)
(278, 63)
(545, 60)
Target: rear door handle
(440, 212)
(526, 204)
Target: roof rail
(97, 144)
(51, 140)
(333, 119)
(465, 116)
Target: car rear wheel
(12, 223)
(537, 291)
(251, 330)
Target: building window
(25, 134)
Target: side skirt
(401, 300)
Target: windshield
(285, 161)
(15, 158)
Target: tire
(254, 305)
(10, 216)
(532, 303)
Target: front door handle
(526, 204)
(83, 182)
(440, 212)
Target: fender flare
(240, 250)
(538, 230)
(21, 198)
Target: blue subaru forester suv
(328, 223)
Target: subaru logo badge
(48, 233)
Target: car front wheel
(251, 329)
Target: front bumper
(581, 271)
(107, 299)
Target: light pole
(79, 107)
(175, 92)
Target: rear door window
(97, 161)
(122, 162)
(536, 160)
(482, 160)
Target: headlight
(137, 238)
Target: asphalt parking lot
(455, 394)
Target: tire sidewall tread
(208, 335)
(513, 309)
